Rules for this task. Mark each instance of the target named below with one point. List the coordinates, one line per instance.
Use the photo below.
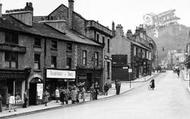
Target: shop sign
(40, 90)
(130, 70)
(64, 74)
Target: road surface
(169, 100)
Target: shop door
(32, 94)
(89, 80)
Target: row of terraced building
(63, 48)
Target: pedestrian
(7, 101)
(67, 92)
(12, 103)
(92, 91)
(25, 99)
(83, 94)
(117, 86)
(96, 88)
(152, 84)
(57, 95)
(106, 88)
(178, 72)
(74, 95)
(1, 99)
(46, 96)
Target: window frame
(37, 61)
(84, 57)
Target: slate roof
(10, 23)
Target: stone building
(89, 28)
(37, 56)
(121, 54)
(133, 51)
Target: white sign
(39, 90)
(130, 70)
(63, 74)
(125, 67)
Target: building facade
(42, 56)
(89, 28)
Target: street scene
(169, 100)
(94, 59)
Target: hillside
(172, 37)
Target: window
(108, 69)
(97, 37)
(11, 37)
(69, 47)
(53, 62)
(69, 62)
(37, 42)
(84, 57)
(134, 51)
(96, 59)
(11, 60)
(36, 61)
(54, 44)
(103, 40)
(108, 45)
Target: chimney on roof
(113, 29)
(24, 15)
(0, 10)
(119, 30)
(70, 15)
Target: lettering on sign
(66, 74)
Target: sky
(128, 13)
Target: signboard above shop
(61, 74)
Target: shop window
(53, 62)
(54, 45)
(37, 42)
(11, 60)
(96, 59)
(69, 62)
(36, 61)
(69, 47)
(11, 37)
(84, 57)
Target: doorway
(33, 94)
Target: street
(169, 100)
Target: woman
(152, 84)
(46, 96)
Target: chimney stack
(71, 9)
(0, 10)
(113, 29)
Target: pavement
(125, 87)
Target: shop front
(12, 82)
(89, 76)
(59, 78)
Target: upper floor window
(84, 57)
(36, 61)
(11, 60)
(69, 47)
(103, 39)
(108, 45)
(108, 70)
(134, 51)
(11, 37)
(97, 37)
(69, 62)
(96, 59)
(53, 61)
(54, 44)
(37, 42)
